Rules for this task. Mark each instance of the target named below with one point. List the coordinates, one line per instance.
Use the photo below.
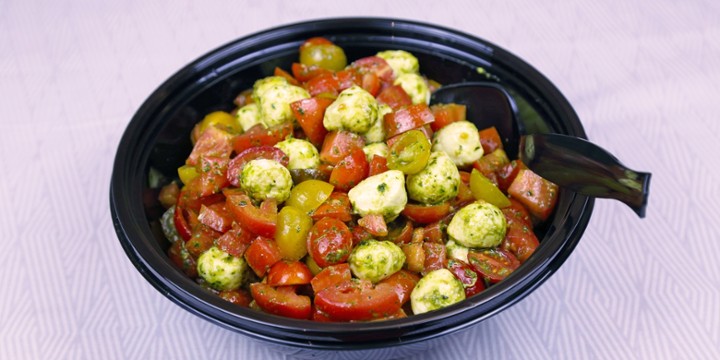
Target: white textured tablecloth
(642, 75)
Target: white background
(642, 75)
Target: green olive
(327, 56)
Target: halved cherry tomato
(350, 170)
(259, 152)
(400, 231)
(261, 221)
(235, 241)
(262, 254)
(293, 226)
(493, 264)
(376, 65)
(435, 256)
(329, 242)
(258, 135)
(325, 83)
(395, 97)
(403, 282)
(181, 223)
(465, 195)
(484, 189)
(378, 165)
(435, 232)
(409, 153)
(282, 73)
(216, 217)
(446, 114)
(309, 195)
(309, 114)
(408, 118)
(517, 212)
(237, 297)
(360, 234)
(358, 300)
(213, 142)
(289, 273)
(331, 276)
(304, 72)
(414, 255)
(426, 214)
(339, 144)
(471, 280)
(537, 194)
(374, 224)
(281, 300)
(336, 206)
(490, 139)
(519, 239)
(507, 173)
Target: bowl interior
(158, 138)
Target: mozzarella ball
(302, 153)
(416, 86)
(377, 131)
(379, 148)
(437, 182)
(456, 251)
(221, 270)
(375, 260)
(382, 194)
(273, 96)
(354, 110)
(248, 116)
(401, 61)
(436, 290)
(478, 225)
(263, 179)
(461, 141)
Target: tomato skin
(262, 254)
(235, 241)
(350, 170)
(289, 273)
(374, 224)
(336, 206)
(490, 139)
(321, 52)
(260, 152)
(339, 144)
(258, 135)
(472, 281)
(395, 97)
(517, 212)
(309, 114)
(537, 194)
(358, 300)
(348, 77)
(493, 264)
(446, 114)
(408, 118)
(403, 282)
(371, 83)
(281, 300)
(426, 214)
(329, 242)
(261, 221)
(331, 276)
(378, 165)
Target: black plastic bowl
(158, 137)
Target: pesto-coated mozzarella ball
(167, 223)
(263, 179)
(354, 110)
(221, 270)
(375, 260)
(377, 131)
(401, 61)
(248, 116)
(302, 153)
(382, 194)
(478, 225)
(416, 86)
(437, 182)
(436, 290)
(456, 251)
(461, 141)
(379, 148)
(273, 95)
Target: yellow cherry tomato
(291, 231)
(483, 189)
(409, 153)
(187, 173)
(309, 194)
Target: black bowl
(158, 137)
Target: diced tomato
(331, 276)
(213, 176)
(376, 65)
(507, 173)
(537, 194)
(408, 118)
(517, 212)
(374, 224)
(520, 240)
(191, 197)
(336, 206)
(339, 144)
(202, 239)
(237, 297)
(258, 135)
(324, 83)
(446, 114)
(371, 83)
(493, 264)
(435, 232)
(281, 300)
(304, 73)
(289, 273)
(261, 221)
(309, 114)
(216, 217)
(426, 214)
(348, 77)
(395, 97)
(358, 300)
(435, 256)
(262, 254)
(471, 280)
(329, 242)
(179, 256)
(235, 241)
(282, 73)
(378, 165)
(414, 255)
(403, 282)
(259, 152)
(213, 142)
(350, 170)
(490, 139)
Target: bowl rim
(181, 290)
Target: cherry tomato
(358, 300)
(493, 264)
(289, 273)
(435, 256)
(309, 114)
(325, 83)
(329, 242)
(490, 163)
(282, 73)
(471, 280)
(400, 231)
(517, 212)
(403, 282)
(507, 173)
(374, 224)
(377, 165)
(484, 189)
(414, 255)
(447, 113)
(408, 118)
(281, 300)
(309, 195)
(409, 153)
(181, 223)
(237, 297)
(259, 152)
(331, 276)
(293, 226)
(258, 135)
(262, 254)
(376, 65)
(336, 206)
(235, 241)
(261, 221)
(435, 232)
(348, 77)
(352, 169)
(339, 144)
(324, 54)
(395, 97)
(426, 214)
(537, 194)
